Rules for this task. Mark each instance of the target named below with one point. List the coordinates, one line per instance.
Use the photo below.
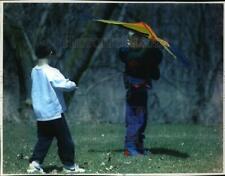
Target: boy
(48, 103)
(141, 66)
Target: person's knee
(70, 144)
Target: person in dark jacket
(141, 66)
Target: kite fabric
(144, 29)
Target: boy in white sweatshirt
(48, 104)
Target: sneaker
(73, 169)
(129, 152)
(35, 167)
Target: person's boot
(131, 150)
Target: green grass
(175, 149)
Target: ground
(175, 148)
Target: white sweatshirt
(48, 85)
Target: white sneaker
(73, 169)
(35, 167)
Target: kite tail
(171, 52)
(166, 46)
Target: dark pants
(136, 119)
(46, 131)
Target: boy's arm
(58, 81)
(125, 55)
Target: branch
(173, 85)
(31, 50)
(41, 24)
(109, 36)
(101, 81)
(88, 53)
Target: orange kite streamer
(144, 29)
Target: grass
(175, 149)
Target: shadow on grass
(50, 169)
(157, 151)
(170, 152)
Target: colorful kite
(144, 29)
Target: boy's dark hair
(43, 51)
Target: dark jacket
(141, 62)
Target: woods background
(86, 52)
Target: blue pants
(136, 120)
(46, 131)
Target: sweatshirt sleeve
(58, 81)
